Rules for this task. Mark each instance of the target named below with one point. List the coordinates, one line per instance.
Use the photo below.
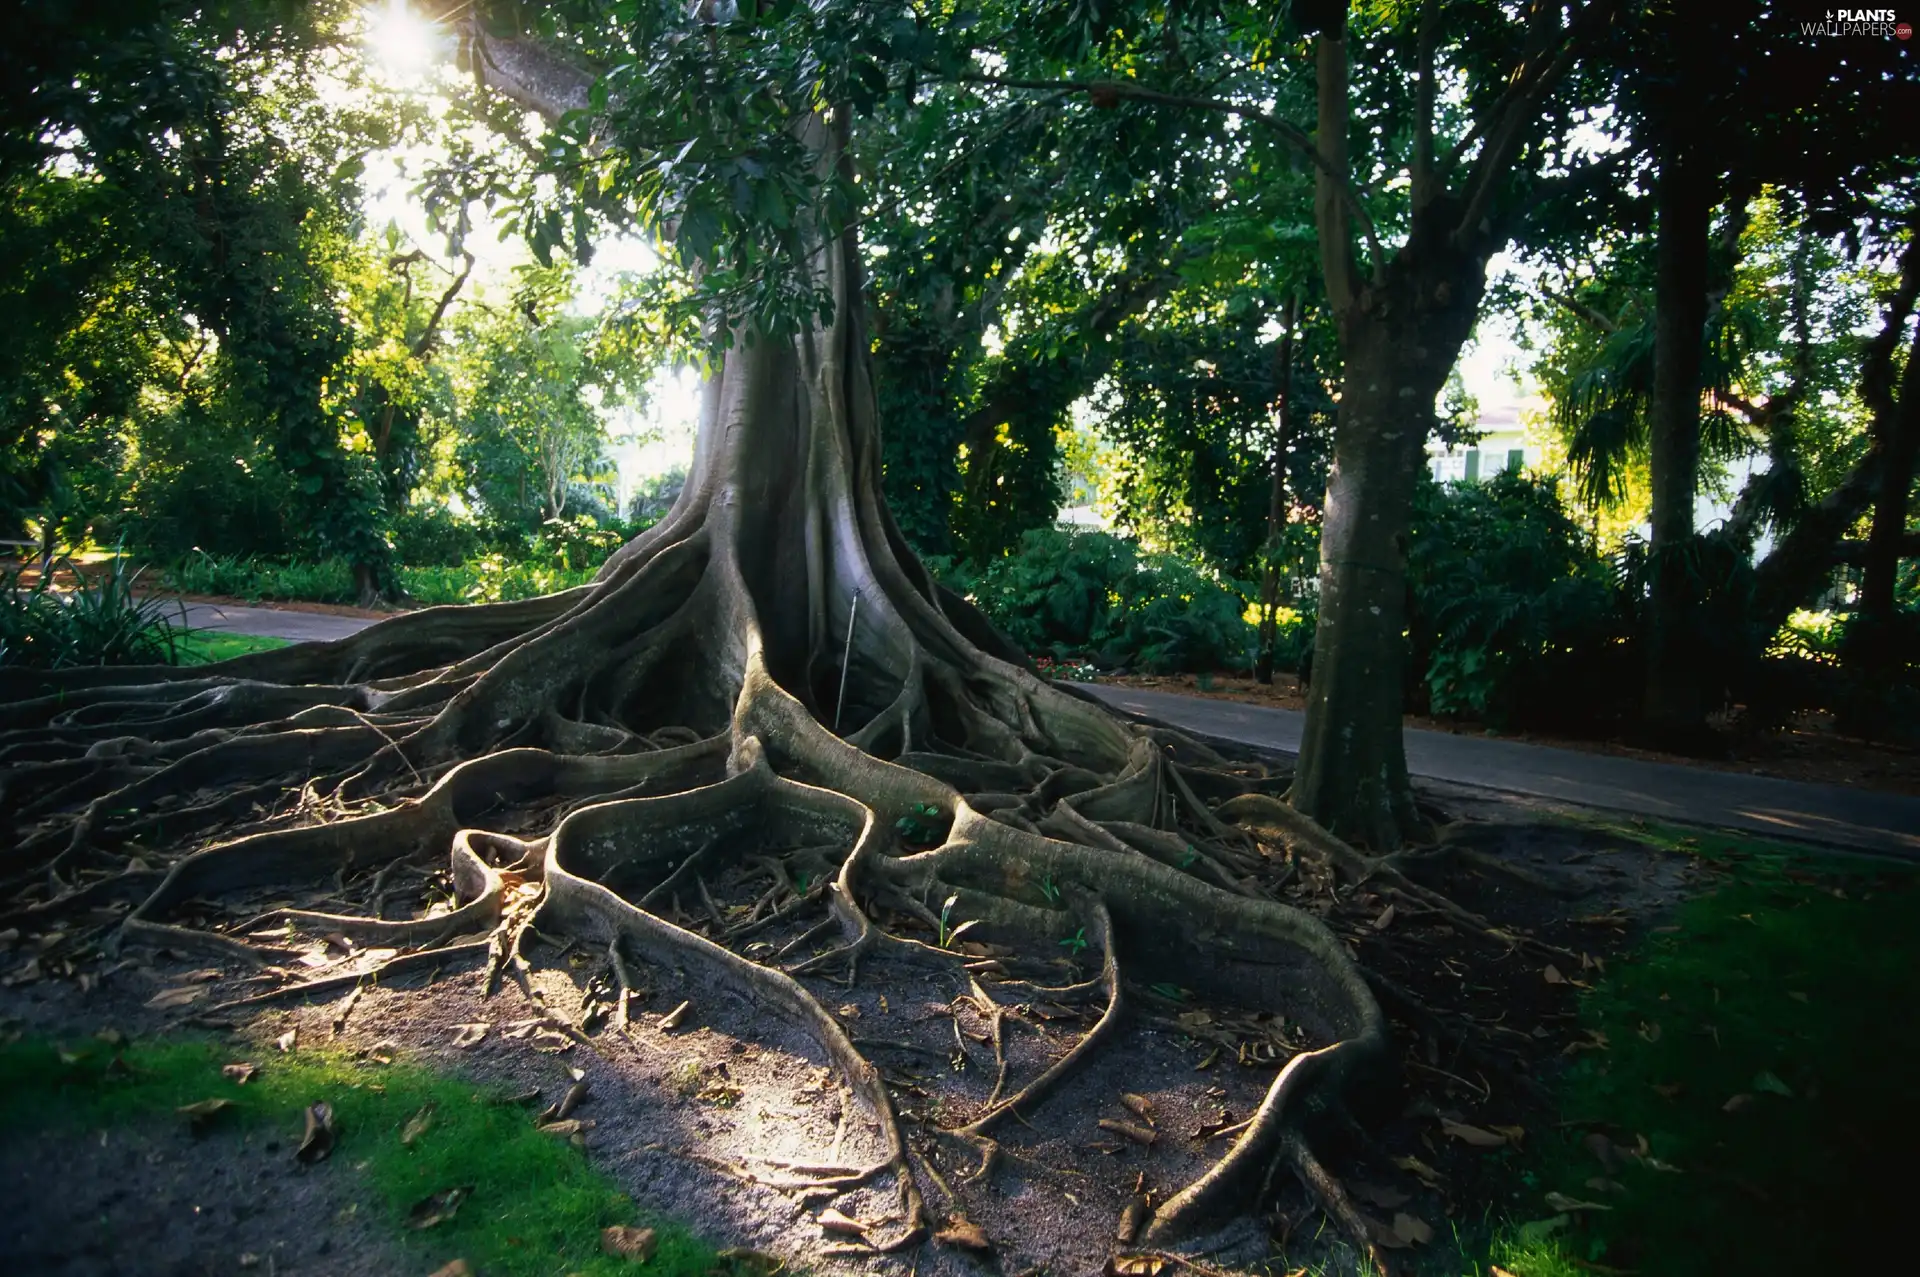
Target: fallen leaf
(635, 1245)
(416, 1126)
(1134, 1266)
(1771, 1084)
(285, 1042)
(1561, 1202)
(567, 1126)
(551, 1042)
(1552, 973)
(844, 1225)
(848, 1011)
(455, 1268)
(1414, 1166)
(963, 1233)
(1411, 1229)
(1541, 1229)
(1736, 1103)
(1473, 1135)
(466, 1035)
(202, 1113)
(1601, 1183)
(317, 1142)
(1139, 1105)
(169, 999)
(1385, 919)
(673, 1019)
(1649, 1030)
(240, 1073)
(1797, 997)
(429, 1212)
(1374, 1195)
(1514, 1134)
(1132, 1216)
(1138, 1134)
(1383, 1235)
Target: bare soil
(1810, 750)
(706, 1120)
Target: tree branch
(1331, 179)
(1290, 133)
(1422, 173)
(425, 342)
(1581, 310)
(1507, 123)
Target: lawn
(1747, 1102)
(534, 1206)
(204, 647)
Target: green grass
(537, 1206)
(204, 647)
(1789, 982)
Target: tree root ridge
(603, 770)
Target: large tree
(768, 671)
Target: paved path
(1861, 818)
(267, 622)
(1698, 795)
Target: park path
(1861, 818)
(1834, 814)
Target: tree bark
(1673, 705)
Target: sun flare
(400, 40)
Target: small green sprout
(1075, 943)
(1049, 890)
(949, 934)
(1171, 992)
(1192, 858)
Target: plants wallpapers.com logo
(1873, 23)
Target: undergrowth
(490, 579)
(1760, 1044)
(536, 1207)
(204, 647)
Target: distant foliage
(1065, 594)
(434, 536)
(1512, 618)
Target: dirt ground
(708, 1120)
(1808, 751)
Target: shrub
(575, 542)
(434, 536)
(1512, 618)
(99, 622)
(1066, 593)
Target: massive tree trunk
(1673, 706)
(766, 677)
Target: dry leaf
(1138, 1134)
(635, 1245)
(416, 1126)
(1600, 1183)
(1385, 919)
(1737, 1103)
(1414, 1166)
(455, 1268)
(285, 1042)
(1513, 1134)
(844, 1225)
(1473, 1135)
(239, 1074)
(170, 999)
(1541, 1229)
(1561, 1202)
(1132, 1216)
(1374, 1195)
(468, 1035)
(1552, 973)
(1139, 1105)
(1411, 1229)
(317, 1141)
(673, 1019)
(963, 1233)
(1135, 1266)
(200, 1114)
(437, 1209)
(551, 1042)
(1771, 1083)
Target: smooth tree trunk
(1352, 775)
(1673, 708)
